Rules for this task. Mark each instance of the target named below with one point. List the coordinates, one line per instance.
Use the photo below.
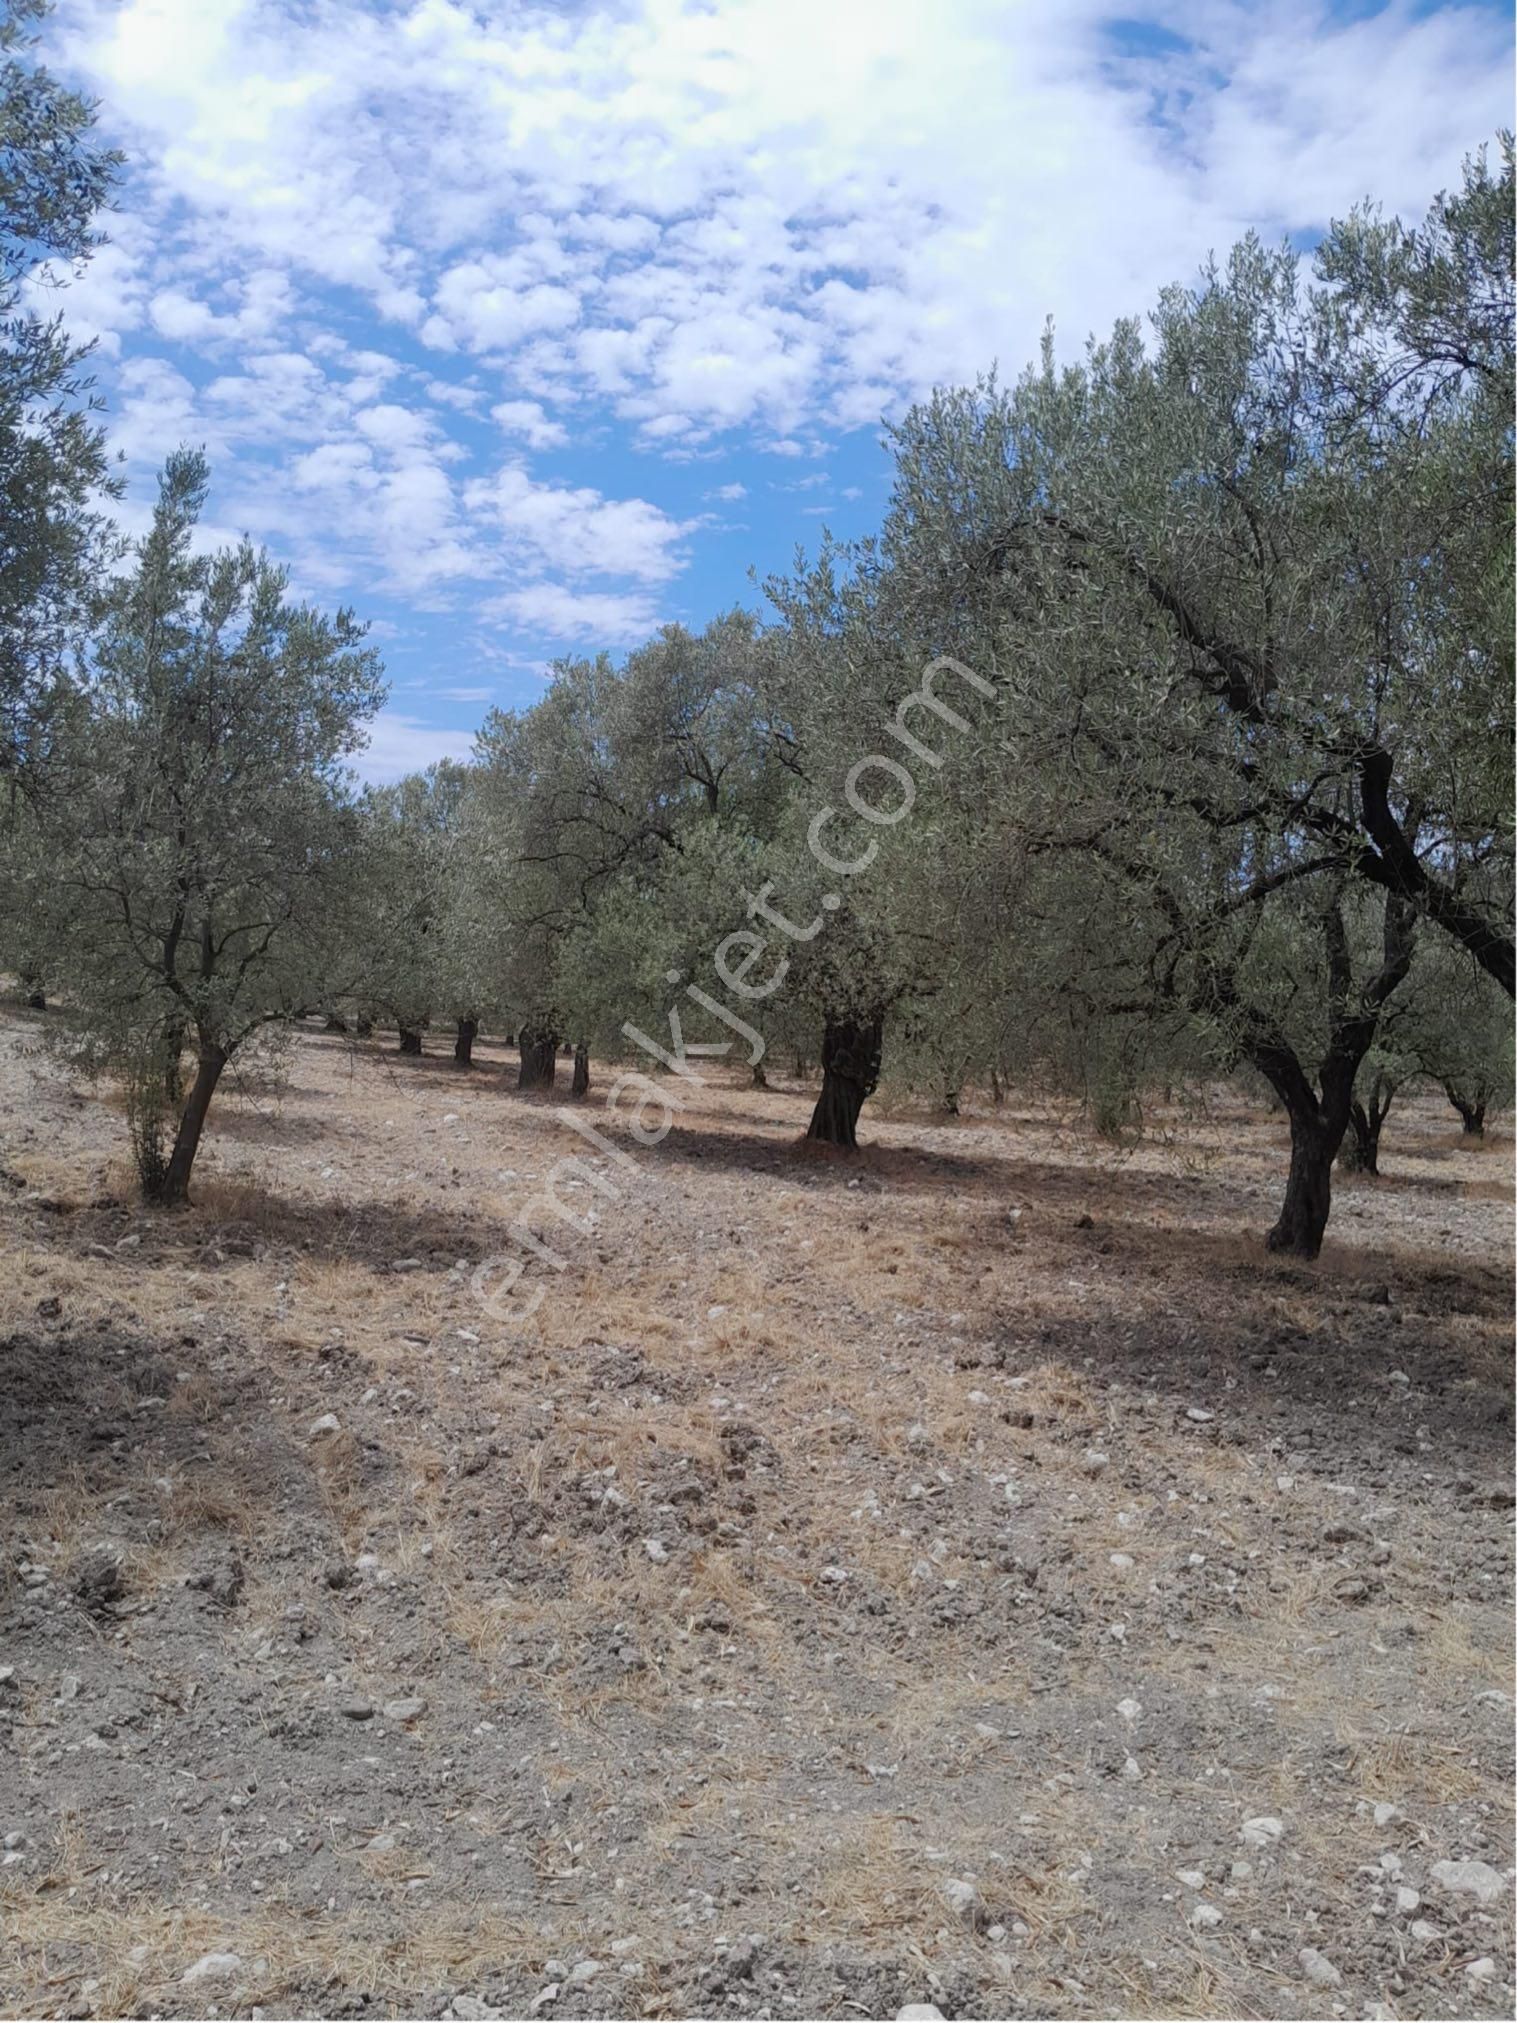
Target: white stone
(1261, 1831)
(656, 1549)
(1129, 1708)
(1481, 1970)
(1471, 1879)
(919, 2012)
(1205, 1917)
(961, 1897)
(1318, 1968)
(213, 1967)
(324, 1427)
(1093, 1461)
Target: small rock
(356, 1710)
(923, 2012)
(1421, 1929)
(1093, 1461)
(1205, 1917)
(583, 1971)
(961, 1897)
(656, 1550)
(324, 1427)
(1129, 1708)
(404, 1710)
(1470, 1879)
(1318, 1968)
(407, 1264)
(99, 1580)
(1407, 1900)
(1481, 1970)
(1386, 1814)
(1262, 1831)
(213, 1967)
(1198, 1415)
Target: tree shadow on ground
(783, 1154)
(230, 1220)
(1377, 1404)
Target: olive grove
(1163, 730)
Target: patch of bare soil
(975, 1574)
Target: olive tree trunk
(580, 1086)
(850, 1074)
(463, 1042)
(174, 1190)
(410, 1040)
(538, 1048)
(1471, 1110)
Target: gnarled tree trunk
(334, 1024)
(538, 1047)
(463, 1042)
(175, 1188)
(1360, 1151)
(1308, 1199)
(850, 1075)
(1471, 1110)
(580, 1086)
(410, 1040)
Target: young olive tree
(206, 841)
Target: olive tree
(54, 472)
(206, 842)
(1233, 609)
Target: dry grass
(874, 1667)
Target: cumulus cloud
(525, 418)
(678, 227)
(576, 530)
(400, 744)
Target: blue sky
(524, 329)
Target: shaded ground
(859, 1583)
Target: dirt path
(975, 1575)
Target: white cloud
(525, 418)
(685, 225)
(404, 744)
(768, 214)
(610, 618)
(578, 531)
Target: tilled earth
(975, 1574)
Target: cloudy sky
(526, 328)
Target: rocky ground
(975, 1575)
